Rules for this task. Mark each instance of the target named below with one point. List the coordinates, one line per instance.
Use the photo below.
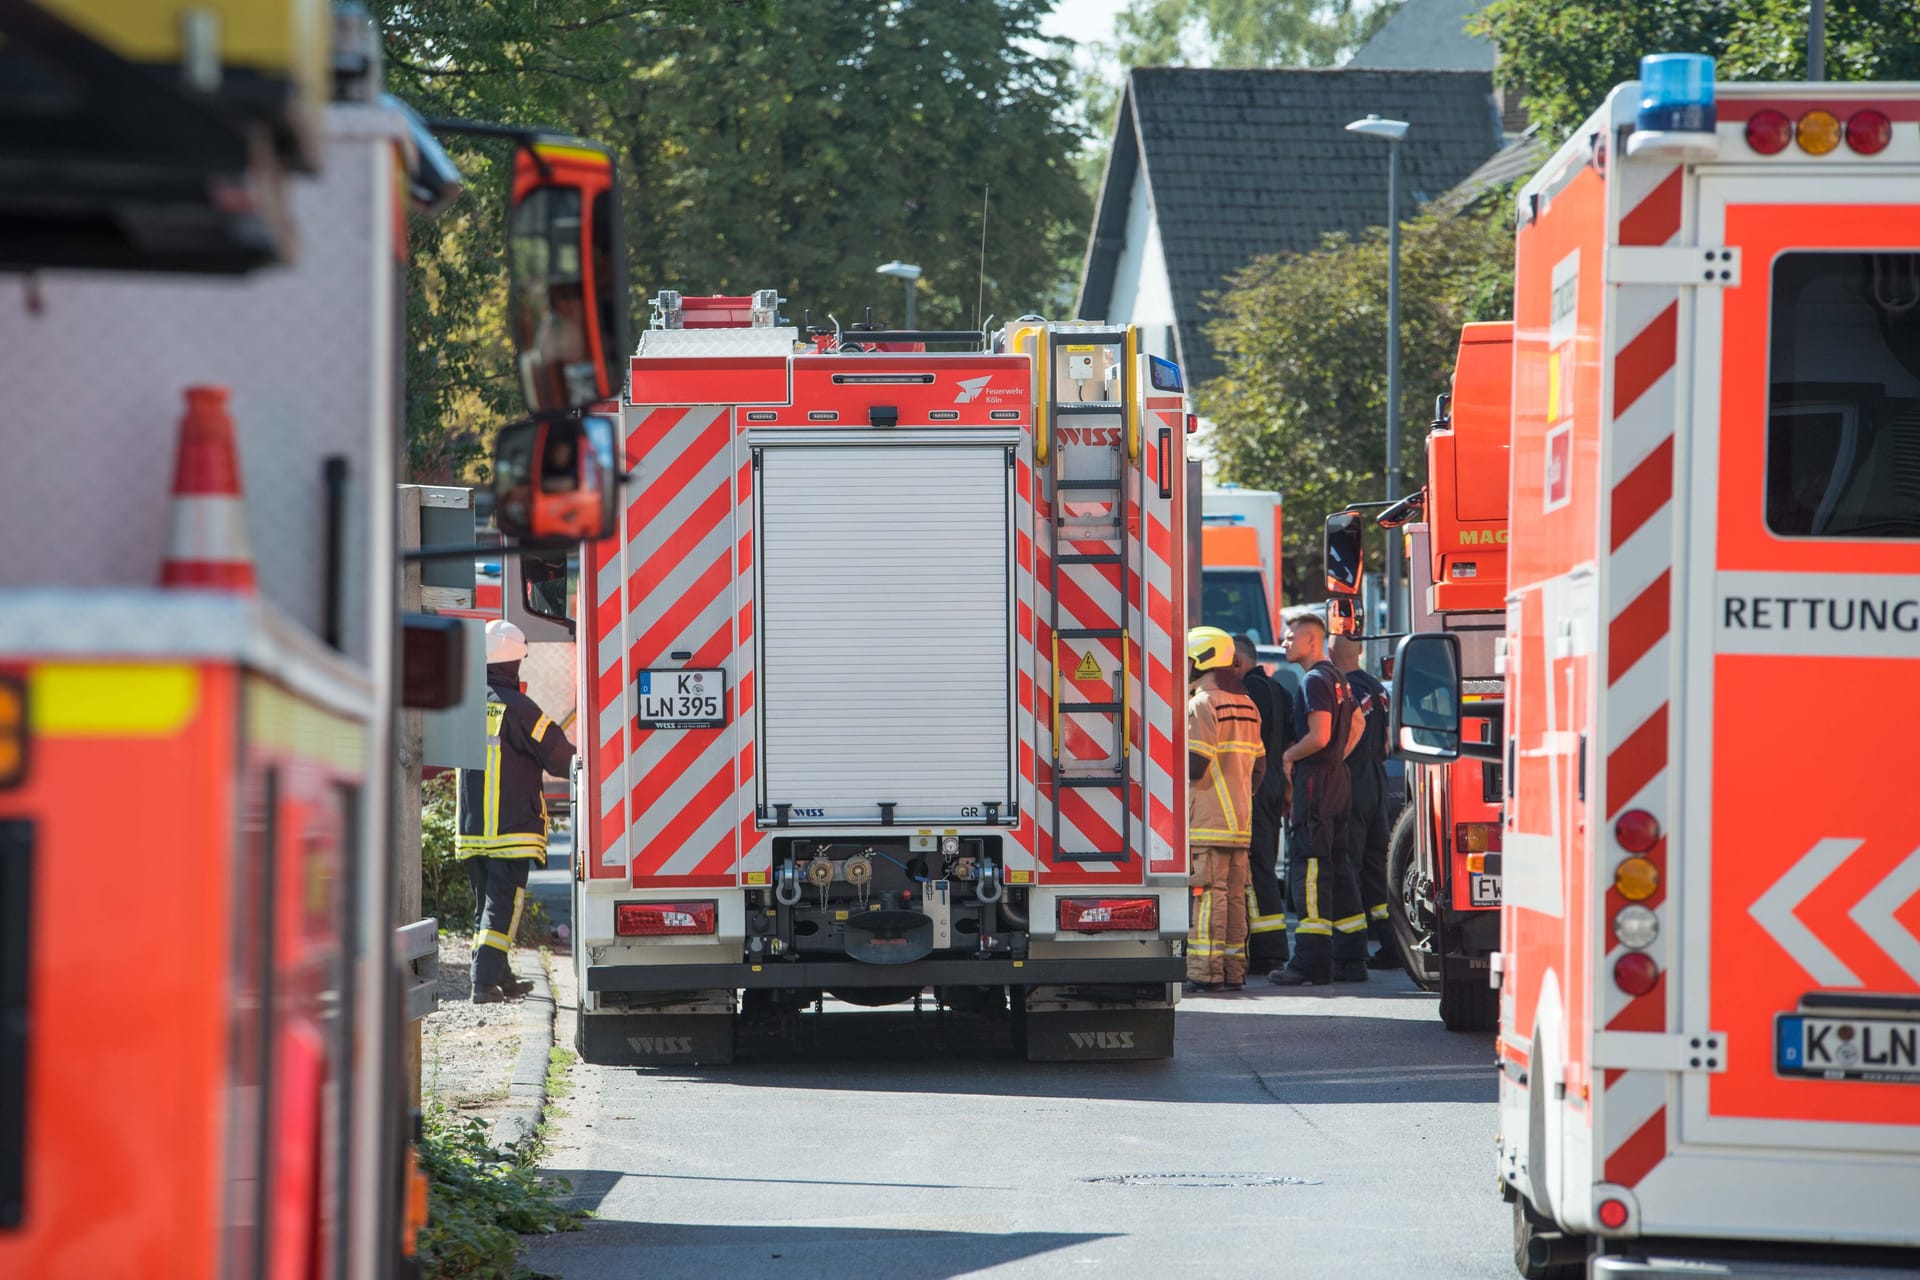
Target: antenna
(979, 301)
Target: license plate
(1843, 1048)
(680, 698)
(1483, 890)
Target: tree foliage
(1245, 33)
(1300, 404)
(788, 144)
(1566, 56)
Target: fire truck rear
(1709, 967)
(884, 687)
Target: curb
(514, 1129)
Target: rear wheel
(1541, 1251)
(1410, 906)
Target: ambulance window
(1843, 407)
(1236, 602)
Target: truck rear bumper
(1790, 1262)
(836, 974)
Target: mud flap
(656, 1039)
(1098, 1035)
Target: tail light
(1818, 132)
(1769, 132)
(1613, 1214)
(1637, 879)
(664, 919)
(1477, 837)
(1636, 926)
(1635, 973)
(1109, 915)
(1869, 132)
(1636, 830)
(13, 731)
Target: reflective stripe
(1216, 836)
(1313, 891)
(496, 940)
(1267, 924)
(511, 840)
(1378, 911)
(540, 728)
(1351, 924)
(1235, 949)
(1315, 927)
(496, 712)
(1201, 749)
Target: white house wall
(1141, 292)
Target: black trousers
(1367, 834)
(499, 892)
(1332, 929)
(1267, 913)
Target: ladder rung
(1091, 857)
(1090, 633)
(1111, 486)
(1071, 408)
(1073, 708)
(1091, 557)
(1088, 779)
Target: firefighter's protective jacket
(502, 811)
(1223, 725)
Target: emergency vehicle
(201, 1027)
(885, 686)
(1240, 565)
(1709, 964)
(1443, 859)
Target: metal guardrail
(417, 948)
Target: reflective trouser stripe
(1351, 924)
(1314, 927)
(1267, 924)
(492, 938)
(1378, 911)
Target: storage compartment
(884, 632)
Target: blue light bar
(1676, 93)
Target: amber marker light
(1818, 132)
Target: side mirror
(1342, 617)
(433, 662)
(1344, 553)
(567, 302)
(555, 481)
(1425, 721)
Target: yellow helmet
(1209, 647)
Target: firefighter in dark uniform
(1330, 941)
(1367, 823)
(1267, 915)
(502, 829)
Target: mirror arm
(472, 551)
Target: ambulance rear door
(1797, 862)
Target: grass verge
(481, 1201)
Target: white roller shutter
(885, 630)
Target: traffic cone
(208, 543)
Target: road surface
(1292, 1135)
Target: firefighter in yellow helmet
(502, 830)
(1225, 763)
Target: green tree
(1300, 404)
(1566, 56)
(1246, 33)
(789, 144)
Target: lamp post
(903, 271)
(1391, 132)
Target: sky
(1083, 20)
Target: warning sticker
(1089, 668)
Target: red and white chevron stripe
(1632, 1114)
(1160, 730)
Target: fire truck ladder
(1107, 530)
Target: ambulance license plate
(682, 698)
(1843, 1048)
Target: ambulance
(1240, 565)
(884, 687)
(1709, 963)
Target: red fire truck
(1709, 964)
(884, 686)
(1443, 861)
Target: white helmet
(505, 642)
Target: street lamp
(1391, 132)
(908, 272)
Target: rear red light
(1769, 132)
(1636, 830)
(664, 919)
(1108, 915)
(1613, 1214)
(1869, 132)
(1635, 973)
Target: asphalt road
(1291, 1135)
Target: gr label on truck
(1841, 615)
(689, 699)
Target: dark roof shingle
(1245, 163)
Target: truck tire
(1541, 1251)
(1467, 1001)
(1410, 908)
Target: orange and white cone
(208, 543)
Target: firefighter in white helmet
(502, 829)
(1225, 763)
